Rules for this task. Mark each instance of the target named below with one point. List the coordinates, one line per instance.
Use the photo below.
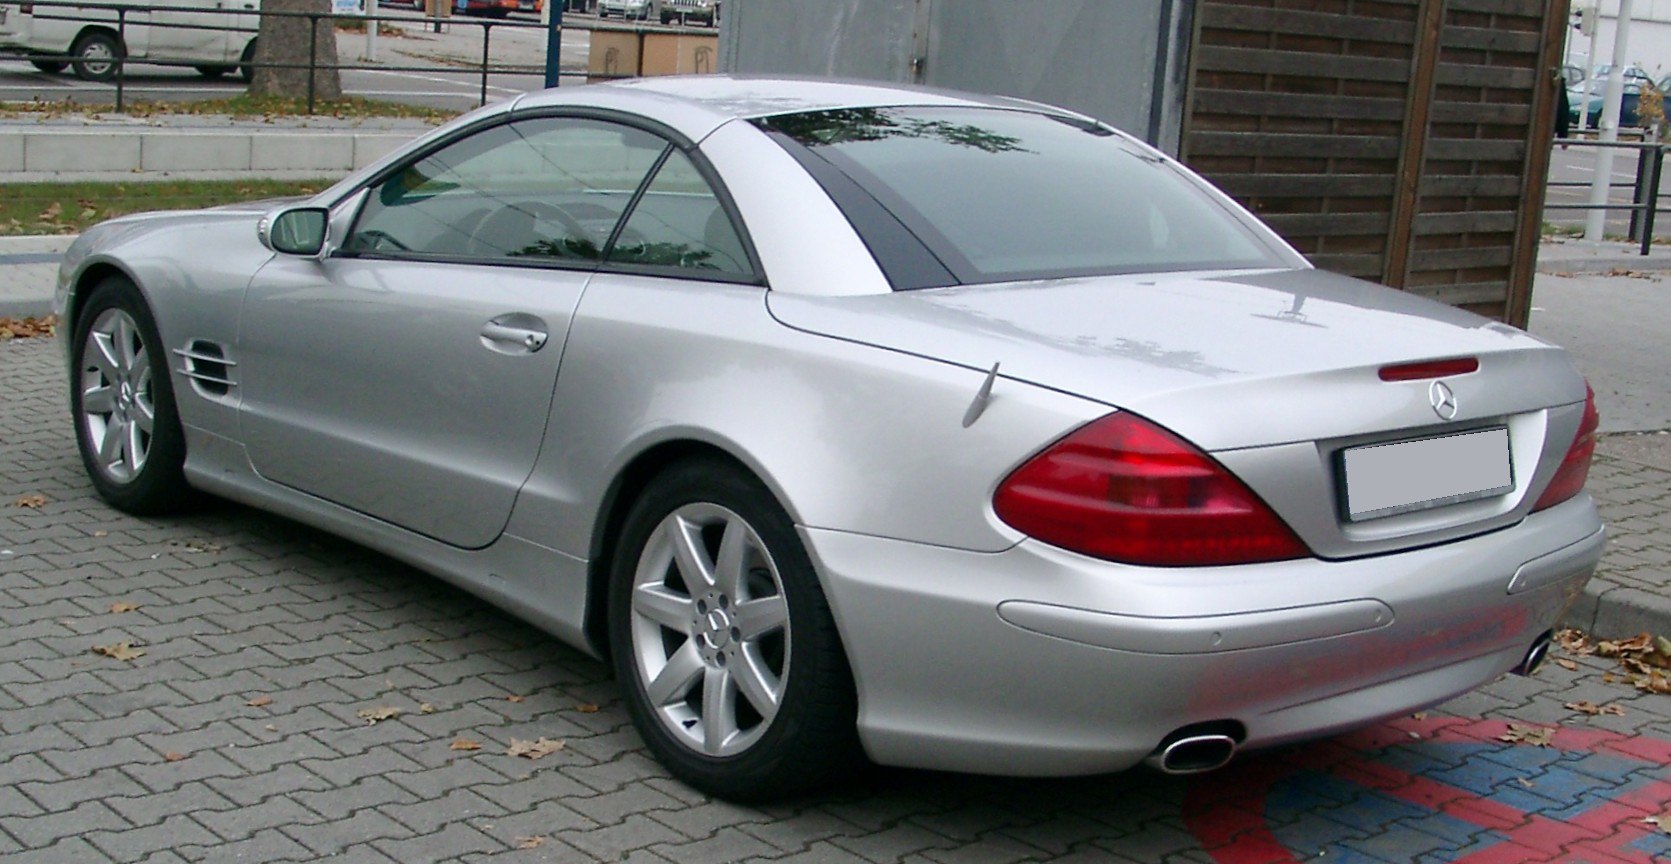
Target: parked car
(1636, 79)
(850, 421)
(687, 11)
(87, 39)
(486, 8)
(643, 10)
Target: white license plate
(1387, 479)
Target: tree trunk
(285, 39)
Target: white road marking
(475, 85)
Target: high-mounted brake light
(1430, 369)
(1124, 489)
(1575, 466)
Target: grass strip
(243, 105)
(69, 208)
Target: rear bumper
(1036, 661)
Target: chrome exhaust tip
(1193, 754)
(1534, 658)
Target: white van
(215, 36)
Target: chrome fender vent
(205, 363)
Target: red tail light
(1430, 369)
(1575, 468)
(1124, 489)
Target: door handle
(499, 335)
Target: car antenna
(983, 396)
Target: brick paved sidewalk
(1632, 589)
(238, 733)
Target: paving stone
(149, 808)
(47, 829)
(135, 843)
(451, 842)
(429, 815)
(267, 845)
(64, 794)
(610, 842)
(341, 833)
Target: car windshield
(1001, 195)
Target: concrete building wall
(1650, 36)
(1122, 62)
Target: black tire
(95, 54)
(50, 67)
(213, 71)
(246, 63)
(811, 739)
(152, 483)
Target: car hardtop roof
(695, 105)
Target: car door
(409, 375)
(190, 30)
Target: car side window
(548, 188)
(680, 223)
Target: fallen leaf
(122, 650)
(1584, 707)
(1524, 782)
(119, 608)
(1574, 641)
(1534, 735)
(514, 698)
(1569, 665)
(1419, 715)
(1608, 678)
(373, 716)
(462, 743)
(1653, 683)
(32, 502)
(529, 842)
(101, 533)
(260, 701)
(1662, 822)
(533, 749)
(426, 708)
(172, 756)
(586, 708)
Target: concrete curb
(1615, 611)
(44, 154)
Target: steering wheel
(511, 229)
(374, 240)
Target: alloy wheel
(710, 630)
(118, 408)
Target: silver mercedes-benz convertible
(857, 423)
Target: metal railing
(118, 18)
(1644, 202)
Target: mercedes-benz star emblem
(1443, 400)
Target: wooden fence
(1404, 141)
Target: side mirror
(296, 231)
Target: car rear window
(1000, 195)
